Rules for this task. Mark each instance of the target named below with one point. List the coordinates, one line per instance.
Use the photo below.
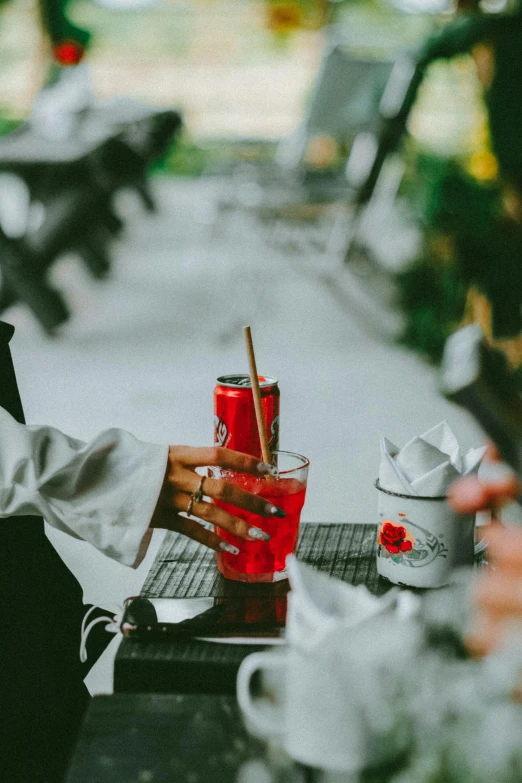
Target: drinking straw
(256, 391)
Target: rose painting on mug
(395, 538)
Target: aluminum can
(235, 425)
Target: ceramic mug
(421, 540)
(308, 704)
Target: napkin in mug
(365, 644)
(428, 464)
(319, 605)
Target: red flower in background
(394, 538)
(68, 52)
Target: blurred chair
(302, 198)
(308, 166)
(344, 103)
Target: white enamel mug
(311, 710)
(421, 540)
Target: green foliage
(58, 25)
(433, 296)
(188, 158)
(184, 158)
(8, 124)
(468, 242)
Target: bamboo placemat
(186, 569)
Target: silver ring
(198, 493)
(196, 497)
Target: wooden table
(198, 736)
(185, 569)
(158, 738)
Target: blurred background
(342, 176)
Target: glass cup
(264, 561)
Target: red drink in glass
(264, 561)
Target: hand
(181, 480)
(497, 592)
(471, 494)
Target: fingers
(195, 531)
(193, 457)
(187, 481)
(505, 548)
(472, 494)
(228, 493)
(492, 453)
(219, 517)
(485, 636)
(181, 482)
(500, 594)
(467, 495)
(490, 631)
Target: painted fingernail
(260, 535)
(274, 511)
(263, 467)
(226, 547)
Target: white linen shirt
(103, 492)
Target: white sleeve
(103, 492)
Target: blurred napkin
(428, 464)
(320, 605)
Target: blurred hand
(498, 590)
(471, 493)
(181, 481)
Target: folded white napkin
(428, 464)
(364, 640)
(319, 605)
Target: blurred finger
(492, 452)
(472, 494)
(505, 547)
(485, 635)
(467, 495)
(499, 594)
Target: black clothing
(42, 695)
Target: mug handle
(267, 722)
(480, 547)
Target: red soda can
(235, 425)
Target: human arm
(103, 492)
(114, 489)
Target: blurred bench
(71, 184)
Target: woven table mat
(185, 569)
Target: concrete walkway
(143, 350)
